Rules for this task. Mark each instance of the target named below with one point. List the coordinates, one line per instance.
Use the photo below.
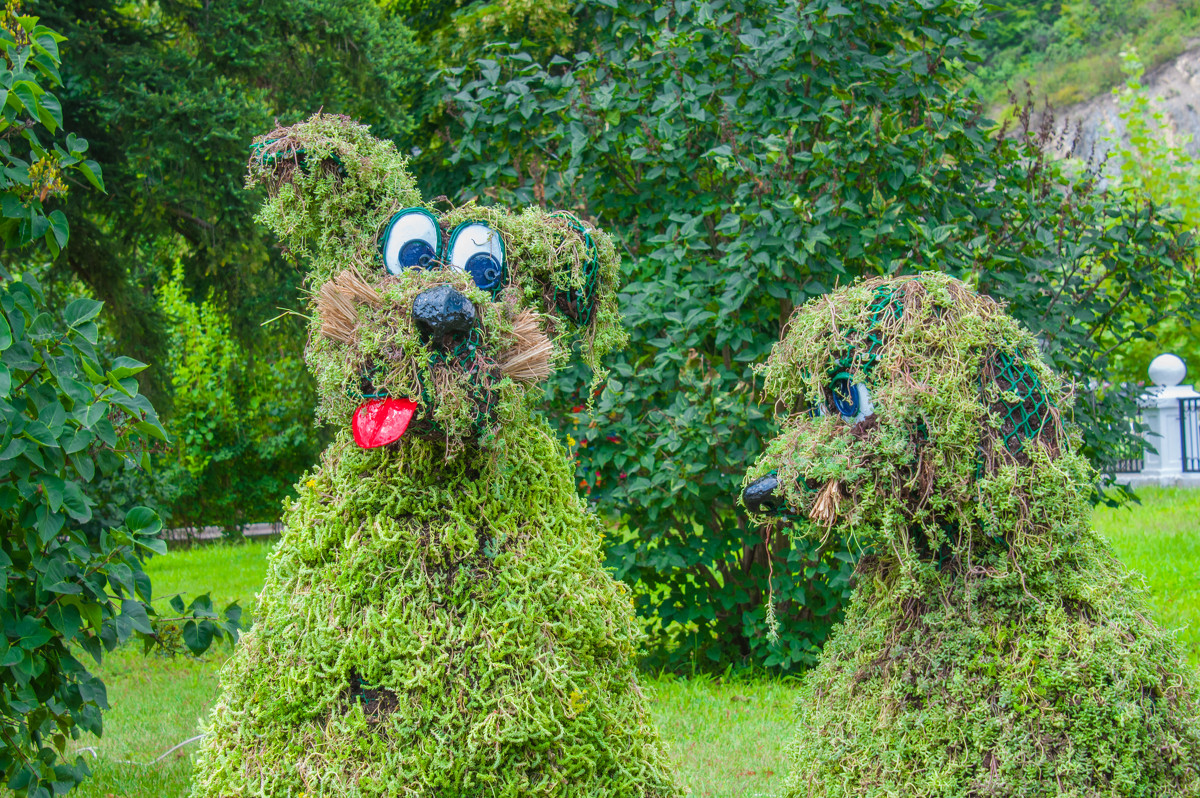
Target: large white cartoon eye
(851, 400)
(412, 240)
(479, 251)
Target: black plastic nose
(443, 316)
(760, 496)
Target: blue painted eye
(478, 250)
(416, 254)
(410, 241)
(484, 270)
(851, 400)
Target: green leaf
(27, 92)
(50, 523)
(78, 441)
(15, 448)
(198, 636)
(95, 413)
(85, 466)
(43, 326)
(5, 334)
(124, 367)
(151, 430)
(11, 206)
(91, 170)
(11, 656)
(75, 503)
(30, 633)
(136, 612)
(58, 228)
(143, 521)
(79, 393)
(40, 434)
(156, 545)
(54, 488)
(81, 310)
(141, 582)
(121, 575)
(65, 618)
(50, 113)
(92, 614)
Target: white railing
(1171, 410)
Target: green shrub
(1152, 161)
(241, 417)
(70, 570)
(750, 155)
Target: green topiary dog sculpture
(435, 619)
(993, 646)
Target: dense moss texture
(994, 646)
(435, 619)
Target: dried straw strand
(337, 305)
(338, 313)
(357, 288)
(528, 360)
(825, 509)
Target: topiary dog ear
(575, 297)
(277, 156)
(1020, 412)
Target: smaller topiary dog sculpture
(435, 619)
(993, 645)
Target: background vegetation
(72, 421)
(749, 156)
(1070, 51)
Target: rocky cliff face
(1176, 87)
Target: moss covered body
(436, 620)
(994, 646)
(433, 628)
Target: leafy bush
(70, 582)
(34, 169)
(242, 418)
(752, 155)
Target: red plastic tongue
(378, 422)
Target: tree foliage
(34, 166)
(241, 431)
(1152, 161)
(1069, 49)
(69, 417)
(169, 99)
(752, 155)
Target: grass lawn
(1161, 538)
(726, 734)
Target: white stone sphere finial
(1167, 370)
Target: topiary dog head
(424, 323)
(917, 415)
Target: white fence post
(1161, 408)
